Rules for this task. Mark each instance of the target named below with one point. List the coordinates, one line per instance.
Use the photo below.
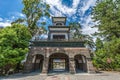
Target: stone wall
(70, 52)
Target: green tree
(106, 13)
(13, 46)
(108, 57)
(75, 29)
(34, 10)
(98, 44)
(76, 32)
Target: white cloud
(62, 8)
(13, 17)
(4, 24)
(17, 14)
(20, 14)
(57, 8)
(88, 24)
(7, 21)
(1, 19)
(89, 30)
(87, 4)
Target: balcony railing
(58, 43)
(58, 40)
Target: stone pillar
(33, 60)
(72, 65)
(46, 61)
(90, 67)
(84, 64)
(45, 65)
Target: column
(45, 65)
(28, 65)
(84, 63)
(33, 62)
(90, 67)
(72, 65)
(34, 57)
(46, 62)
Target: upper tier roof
(59, 19)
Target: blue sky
(75, 10)
(9, 11)
(7, 7)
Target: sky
(74, 10)
(9, 11)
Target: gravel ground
(64, 76)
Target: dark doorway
(38, 63)
(58, 62)
(80, 63)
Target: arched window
(59, 24)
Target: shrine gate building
(59, 53)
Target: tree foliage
(14, 39)
(34, 10)
(76, 33)
(98, 44)
(75, 29)
(108, 57)
(107, 14)
(13, 46)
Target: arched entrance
(80, 63)
(58, 62)
(38, 63)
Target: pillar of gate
(45, 65)
(90, 67)
(29, 64)
(46, 62)
(72, 66)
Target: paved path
(80, 76)
(58, 77)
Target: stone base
(70, 52)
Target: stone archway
(58, 62)
(38, 62)
(80, 63)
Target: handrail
(58, 40)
